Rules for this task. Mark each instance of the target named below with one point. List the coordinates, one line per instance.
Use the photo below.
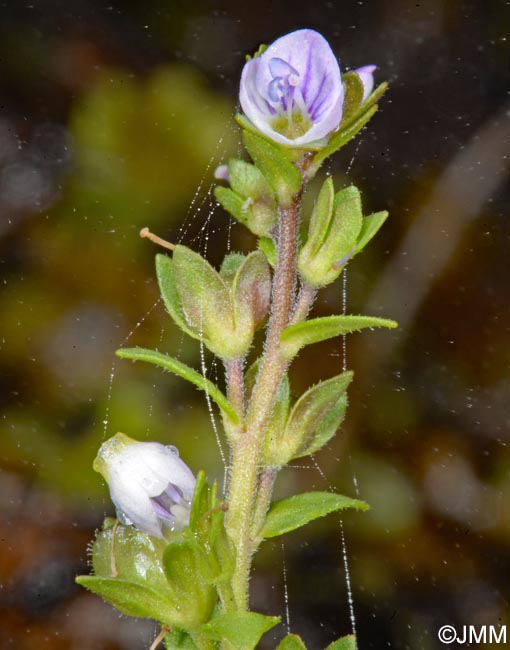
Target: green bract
(222, 310)
(251, 200)
(337, 231)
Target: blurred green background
(113, 116)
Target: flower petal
(366, 74)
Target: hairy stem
(304, 303)
(246, 454)
(267, 478)
(235, 385)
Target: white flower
(150, 485)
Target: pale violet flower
(150, 485)
(293, 92)
(366, 74)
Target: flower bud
(149, 484)
(222, 309)
(334, 228)
(293, 93)
(250, 199)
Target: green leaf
(320, 329)
(353, 87)
(369, 228)
(291, 642)
(131, 598)
(280, 173)
(243, 630)
(267, 246)
(182, 370)
(309, 413)
(296, 511)
(345, 643)
(168, 288)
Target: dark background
(111, 116)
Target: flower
(293, 91)
(150, 485)
(366, 74)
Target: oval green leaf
(296, 511)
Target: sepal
(353, 98)
(251, 291)
(179, 640)
(351, 125)
(185, 566)
(241, 630)
(280, 173)
(370, 228)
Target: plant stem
(246, 453)
(235, 385)
(304, 303)
(265, 490)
